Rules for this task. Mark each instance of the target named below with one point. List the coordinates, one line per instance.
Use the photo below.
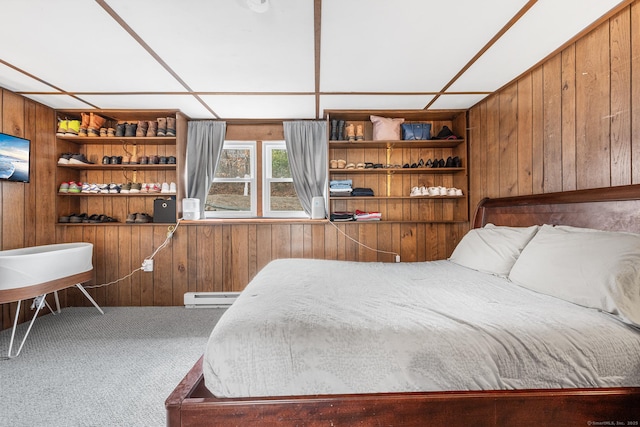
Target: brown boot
(162, 126)
(171, 126)
(351, 132)
(95, 123)
(359, 133)
(84, 125)
(153, 129)
(143, 125)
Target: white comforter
(327, 327)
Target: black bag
(416, 131)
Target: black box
(164, 210)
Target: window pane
(229, 196)
(234, 163)
(280, 164)
(284, 197)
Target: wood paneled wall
(27, 209)
(571, 123)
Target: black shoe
(441, 163)
(449, 163)
(429, 163)
(457, 163)
(334, 130)
(340, 130)
(114, 160)
(405, 166)
(421, 163)
(106, 160)
(414, 165)
(436, 163)
(171, 160)
(120, 128)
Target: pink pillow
(385, 128)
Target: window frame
(252, 180)
(267, 178)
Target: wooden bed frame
(615, 208)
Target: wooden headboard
(610, 208)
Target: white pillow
(596, 269)
(492, 249)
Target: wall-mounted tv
(14, 158)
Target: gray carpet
(81, 368)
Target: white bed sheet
(307, 326)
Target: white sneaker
(443, 191)
(451, 191)
(458, 192)
(172, 188)
(165, 188)
(433, 191)
(416, 191)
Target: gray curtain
(306, 143)
(204, 145)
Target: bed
(575, 396)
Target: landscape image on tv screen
(14, 158)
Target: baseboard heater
(209, 299)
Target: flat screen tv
(14, 158)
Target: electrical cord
(171, 229)
(397, 255)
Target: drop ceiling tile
(407, 45)
(188, 104)
(76, 46)
(262, 106)
(17, 81)
(223, 46)
(456, 102)
(59, 102)
(373, 102)
(547, 26)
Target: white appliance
(191, 208)
(317, 208)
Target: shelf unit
(392, 185)
(119, 205)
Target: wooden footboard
(191, 404)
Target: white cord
(172, 229)
(362, 244)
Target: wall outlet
(147, 265)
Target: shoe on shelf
(142, 128)
(111, 132)
(75, 187)
(64, 158)
(154, 187)
(64, 187)
(171, 160)
(144, 187)
(416, 191)
(125, 188)
(162, 126)
(135, 187)
(164, 188)
(130, 129)
(95, 123)
(152, 131)
(114, 188)
(131, 218)
(142, 218)
(120, 128)
(104, 188)
(84, 124)
(62, 127)
(172, 187)
(73, 127)
(171, 126)
(79, 159)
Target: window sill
(210, 221)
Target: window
(246, 185)
(279, 198)
(233, 191)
